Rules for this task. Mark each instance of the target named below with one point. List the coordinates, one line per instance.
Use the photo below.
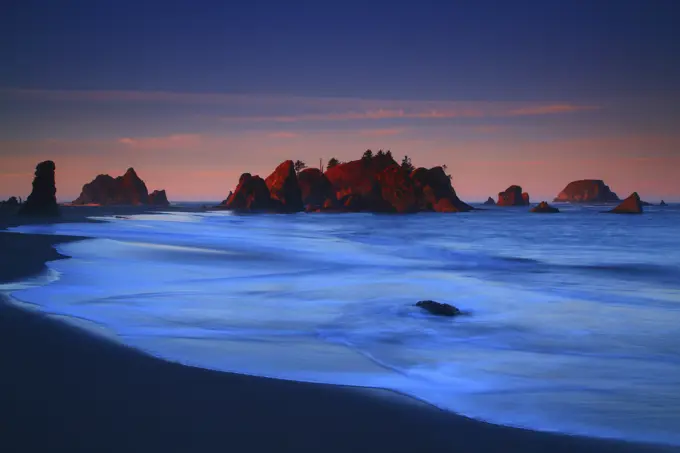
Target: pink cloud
(551, 109)
(175, 141)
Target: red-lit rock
(587, 191)
(316, 190)
(513, 196)
(631, 205)
(283, 187)
(434, 191)
(544, 208)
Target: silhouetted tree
(406, 164)
(389, 154)
(368, 155)
(380, 153)
(332, 162)
(299, 166)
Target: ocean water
(574, 324)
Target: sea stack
(490, 202)
(158, 198)
(43, 199)
(128, 189)
(631, 205)
(663, 203)
(284, 189)
(434, 189)
(513, 196)
(587, 191)
(544, 208)
(317, 191)
(251, 194)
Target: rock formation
(544, 208)
(158, 198)
(631, 205)
(663, 203)
(513, 196)
(283, 187)
(251, 194)
(371, 184)
(437, 308)
(490, 202)
(587, 191)
(11, 201)
(43, 199)
(128, 189)
(434, 189)
(316, 190)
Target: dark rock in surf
(490, 202)
(128, 189)
(631, 205)
(251, 195)
(435, 192)
(437, 308)
(663, 203)
(544, 208)
(43, 199)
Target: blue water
(575, 323)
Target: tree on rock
(299, 166)
(407, 165)
(332, 162)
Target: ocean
(574, 321)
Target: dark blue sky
(490, 50)
(194, 93)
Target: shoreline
(79, 392)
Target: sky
(194, 93)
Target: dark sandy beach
(66, 390)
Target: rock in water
(158, 198)
(283, 187)
(128, 189)
(435, 192)
(317, 191)
(513, 196)
(587, 191)
(251, 194)
(437, 308)
(631, 205)
(43, 199)
(544, 208)
(490, 202)
(663, 203)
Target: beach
(67, 389)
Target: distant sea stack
(128, 189)
(371, 184)
(587, 191)
(631, 205)
(663, 203)
(158, 198)
(544, 208)
(513, 196)
(490, 202)
(43, 199)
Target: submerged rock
(544, 208)
(513, 196)
(631, 205)
(587, 191)
(490, 202)
(43, 198)
(437, 308)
